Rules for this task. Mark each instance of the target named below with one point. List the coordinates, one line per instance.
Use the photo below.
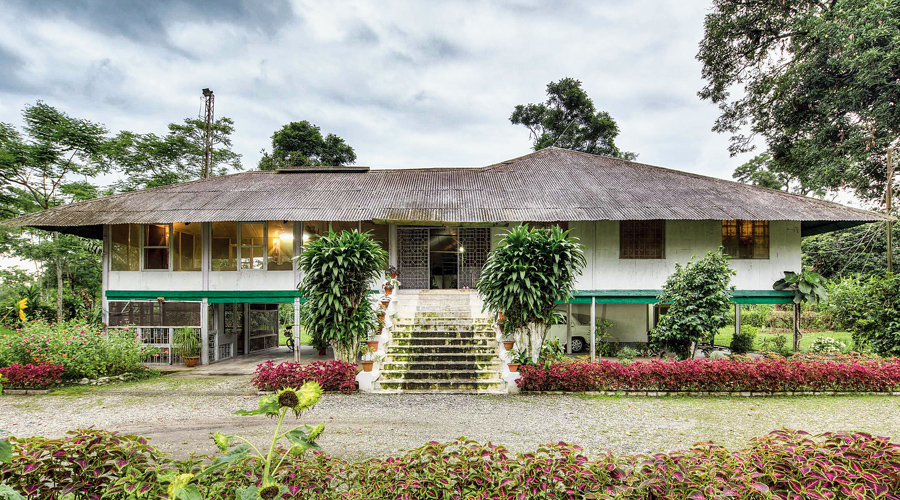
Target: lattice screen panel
(413, 258)
(475, 244)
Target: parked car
(581, 331)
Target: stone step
(441, 349)
(445, 334)
(441, 385)
(440, 357)
(423, 341)
(439, 374)
(389, 365)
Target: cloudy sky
(406, 83)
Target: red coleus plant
(331, 375)
(31, 376)
(718, 375)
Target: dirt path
(180, 413)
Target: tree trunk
(344, 352)
(59, 289)
(534, 334)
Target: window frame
(752, 236)
(292, 225)
(241, 246)
(661, 222)
(144, 247)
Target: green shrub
(757, 316)
(742, 342)
(869, 309)
(699, 303)
(827, 345)
(777, 344)
(84, 352)
(627, 354)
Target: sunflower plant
(235, 448)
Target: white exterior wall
(684, 239)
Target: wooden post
(593, 329)
(797, 335)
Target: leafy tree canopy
(300, 144)
(816, 80)
(568, 119)
(148, 160)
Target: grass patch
(723, 338)
(305, 338)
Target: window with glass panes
(156, 246)
(280, 246)
(746, 239)
(253, 245)
(223, 247)
(125, 243)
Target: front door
(441, 257)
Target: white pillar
(246, 307)
(569, 328)
(593, 329)
(297, 329)
(104, 273)
(737, 319)
(204, 331)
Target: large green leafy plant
(524, 277)
(806, 285)
(869, 309)
(698, 296)
(338, 270)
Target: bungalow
(216, 254)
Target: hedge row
(30, 376)
(331, 375)
(782, 465)
(800, 373)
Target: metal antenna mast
(210, 101)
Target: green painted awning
(650, 296)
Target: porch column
(246, 307)
(593, 329)
(797, 334)
(104, 275)
(569, 328)
(737, 320)
(204, 331)
(297, 329)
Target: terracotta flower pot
(373, 345)
(394, 275)
(322, 352)
(388, 290)
(501, 316)
(384, 303)
(508, 344)
(513, 367)
(367, 365)
(381, 317)
(191, 361)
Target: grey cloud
(10, 67)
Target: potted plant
(393, 272)
(186, 343)
(366, 357)
(320, 344)
(372, 344)
(518, 357)
(389, 284)
(385, 301)
(380, 315)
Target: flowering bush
(784, 465)
(827, 345)
(331, 375)
(31, 376)
(83, 351)
(800, 373)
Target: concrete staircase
(442, 347)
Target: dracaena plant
(237, 449)
(525, 276)
(338, 270)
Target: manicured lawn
(305, 338)
(725, 335)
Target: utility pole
(210, 103)
(890, 223)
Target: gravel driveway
(180, 412)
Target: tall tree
(39, 170)
(568, 119)
(148, 160)
(815, 79)
(299, 144)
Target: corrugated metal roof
(549, 185)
